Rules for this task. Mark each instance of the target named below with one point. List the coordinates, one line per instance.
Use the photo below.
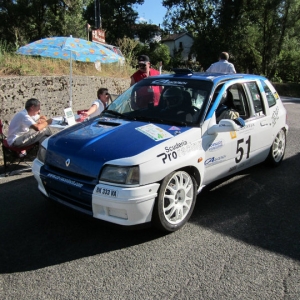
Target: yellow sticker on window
(276, 95)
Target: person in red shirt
(144, 70)
(145, 95)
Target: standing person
(222, 66)
(98, 105)
(147, 94)
(27, 127)
(144, 70)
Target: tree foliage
(23, 21)
(118, 18)
(260, 35)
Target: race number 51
(240, 149)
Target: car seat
(173, 97)
(14, 154)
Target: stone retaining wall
(53, 92)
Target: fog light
(118, 213)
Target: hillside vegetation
(18, 65)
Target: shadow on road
(37, 233)
(260, 207)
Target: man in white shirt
(222, 66)
(27, 126)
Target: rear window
(256, 98)
(270, 96)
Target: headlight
(121, 175)
(42, 154)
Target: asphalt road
(242, 242)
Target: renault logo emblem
(68, 162)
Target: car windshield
(170, 100)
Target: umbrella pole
(71, 79)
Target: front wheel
(277, 149)
(175, 202)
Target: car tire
(175, 202)
(277, 149)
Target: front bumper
(120, 205)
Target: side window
(256, 98)
(270, 97)
(239, 100)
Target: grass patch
(22, 65)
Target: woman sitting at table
(98, 105)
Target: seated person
(226, 109)
(27, 126)
(173, 99)
(98, 105)
(177, 103)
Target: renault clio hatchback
(151, 152)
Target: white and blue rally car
(149, 154)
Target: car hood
(85, 147)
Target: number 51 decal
(240, 149)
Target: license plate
(107, 192)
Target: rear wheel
(175, 202)
(277, 149)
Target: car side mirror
(223, 126)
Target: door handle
(263, 123)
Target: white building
(179, 41)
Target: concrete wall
(53, 92)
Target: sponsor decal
(174, 128)
(179, 150)
(276, 95)
(233, 135)
(65, 180)
(240, 166)
(169, 82)
(154, 132)
(176, 146)
(275, 117)
(215, 146)
(214, 160)
(232, 169)
(107, 192)
(247, 126)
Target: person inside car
(178, 102)
(226, 109)
(172, 98)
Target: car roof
(206, 76)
